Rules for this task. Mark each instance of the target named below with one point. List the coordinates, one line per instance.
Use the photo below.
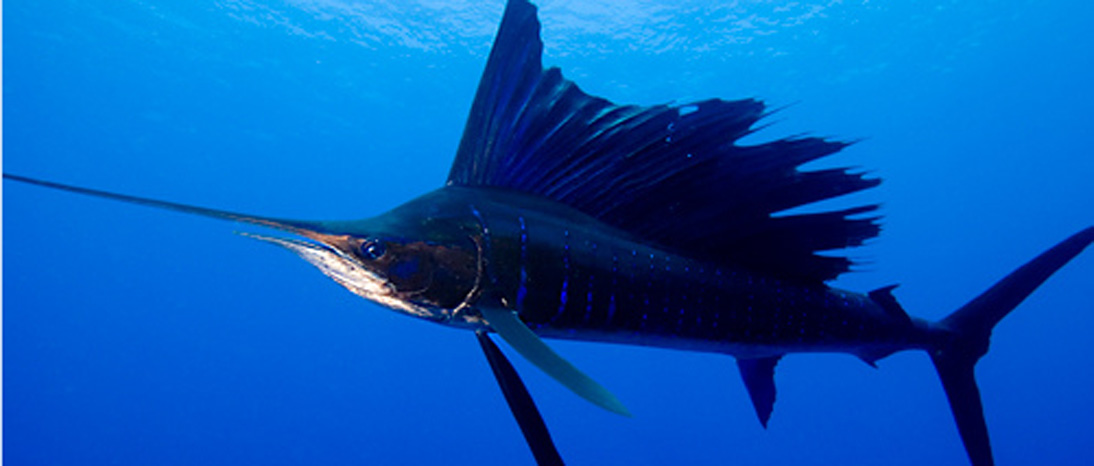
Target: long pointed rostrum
(294, 226)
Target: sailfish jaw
(327, 245)
(324, 252)
(324, 245)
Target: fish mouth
(318, 250)
(322, 251)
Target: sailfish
(568, 216)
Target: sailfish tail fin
(963, 337)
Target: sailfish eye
(372, 250)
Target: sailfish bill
(567, 216)
(280, 224)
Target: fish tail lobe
(962, 338)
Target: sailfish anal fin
(531, 347)
(759, 377)
(673, 175)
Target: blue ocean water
(134, 336)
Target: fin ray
(759, 377)
(671, 174)
(884, 297)
(520, 404)
(962, 338)
(531, 347)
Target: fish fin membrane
(759, 377)
(962, 338)
(884, 297)
(520, 404)
(532, 348)
(670, 174)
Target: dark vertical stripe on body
(589, 288)
(646, 295)
(563, 295)
(522, 288)
(612, 291)
(485, 242)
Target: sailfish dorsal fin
(671, 174)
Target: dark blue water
(137, 337)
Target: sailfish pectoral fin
(520, 404)
(528, 344)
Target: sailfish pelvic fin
(520, 404)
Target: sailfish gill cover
(134, 336)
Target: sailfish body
(567, 216)
(571, 276)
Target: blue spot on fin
(670, 174)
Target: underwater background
(133, 336)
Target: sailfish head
(420, 263)
(418, 258)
